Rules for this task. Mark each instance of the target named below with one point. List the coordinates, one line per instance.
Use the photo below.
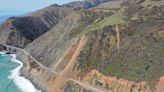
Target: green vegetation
(151, 3)
(139, 59)
(106, 21)
(110, 5)
(141, 53)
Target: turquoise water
(10, 78)
(6, 66)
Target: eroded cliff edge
(123, 51)
(20, 31)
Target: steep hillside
(53, 45)
(123, 53)
(127, 52)
(19, 31)
(86, 4)
(117, 46)
(23, 30)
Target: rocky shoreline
(35, 76)
(35, 84)
(25, 74)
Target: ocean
(1, 21)
(10, 79)
(3, 18)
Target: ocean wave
(21, 82)
(2, 53)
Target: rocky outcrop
(131, 63)
(77, 5)
(2, 48)
(37, 73)
(20, 31)
(160, 87)
(120, 85)
(73, 87)
(51, 47)
(133, 66)
(52, 14)
(24, 30)
(121, 51)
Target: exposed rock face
(60, 38)
(121, 49)
(131, 73)
(120, 85)
(52, 14)
(77, 5)
(23, 30)
(115, 84)
(160, 84)
(130, 66)
(34, 72)
(73, 87)
(2, 48)
(4, 34)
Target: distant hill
(77, 5)
(117, 46)
(36, 23)
(33, 25)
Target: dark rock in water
(8, 53)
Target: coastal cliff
(20, 31)
(116, 46)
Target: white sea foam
(21, 82)
(2, 53)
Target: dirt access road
(62, 77)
